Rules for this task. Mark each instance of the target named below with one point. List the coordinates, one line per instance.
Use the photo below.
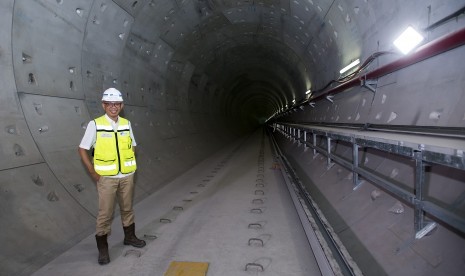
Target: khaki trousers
(108, 190)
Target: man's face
(112, 109)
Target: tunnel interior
(196, 75)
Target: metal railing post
(305, 140)
(355, 163)
(419, 219)
(314, 145)
(330, 164)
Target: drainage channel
(330, 253)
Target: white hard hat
(112, 95)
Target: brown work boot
(130, 236)
(102, 245)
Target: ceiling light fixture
(350, 66)
(408, 40)
(308, 91)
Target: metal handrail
(422, 155)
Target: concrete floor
(209, 208)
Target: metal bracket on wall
(422, 154)
(425, 230)
(369, 84)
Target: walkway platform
(232, 211)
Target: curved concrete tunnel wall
(196, 75)
(54, 67)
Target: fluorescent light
(351, 65)
(408, 40)
(308, 91)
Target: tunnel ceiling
(264, 55)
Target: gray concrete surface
(213, 226)
(199, 75)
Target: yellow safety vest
(113, 150)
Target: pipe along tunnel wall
(56, 57)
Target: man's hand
(86, 160)
(95, 176)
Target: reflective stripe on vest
(113, 150)
(105, 168)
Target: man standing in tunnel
(113, 169)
